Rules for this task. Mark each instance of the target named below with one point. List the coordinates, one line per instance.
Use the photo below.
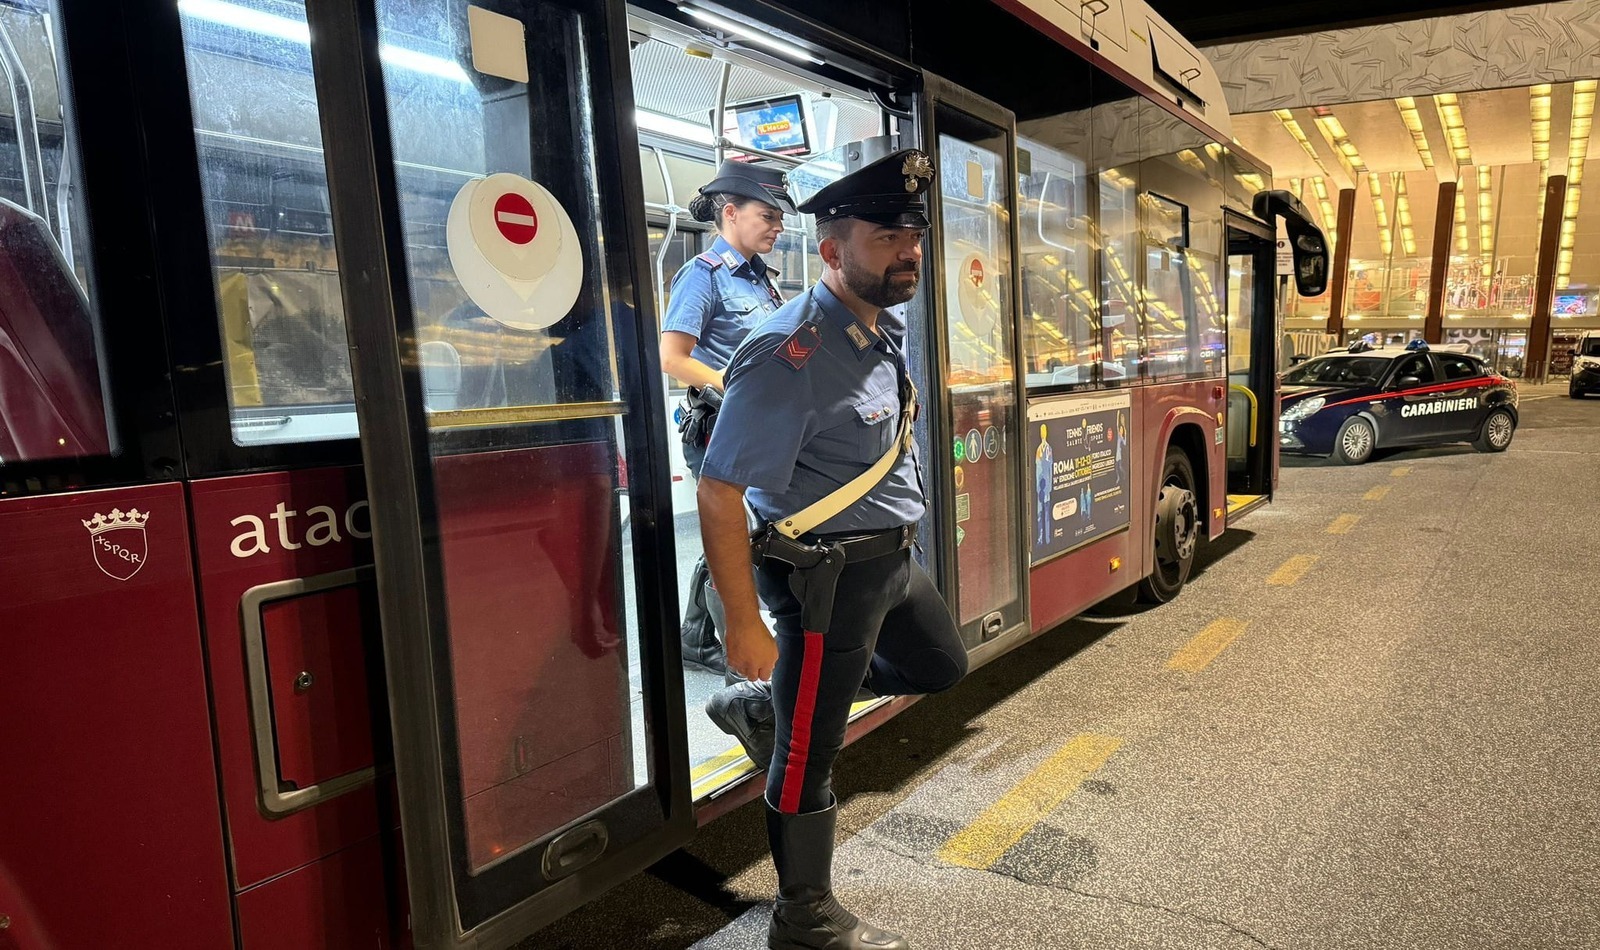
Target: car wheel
(1177, 530)
(1574, 392)
(1497, 432)
(1355, 441)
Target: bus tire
(1177, 530)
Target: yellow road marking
(1291, 570)
(1401, 472)
(1378, 494)
(715, 762)
(1004, 823)
(1198, 653)
(1343, 524)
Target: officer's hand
(752, 653)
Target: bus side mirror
(1306, 242)
(1310, 259)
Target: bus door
(1252, 363)
(974, 429)
(509, 404)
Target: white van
(1585, 365)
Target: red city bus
(342, 537)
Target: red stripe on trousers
(805, 707)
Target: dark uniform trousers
(889, 628)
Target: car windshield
(1338, 371)
(1591, 346)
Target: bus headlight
(1303, 408)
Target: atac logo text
(118, 541)
(318, 526)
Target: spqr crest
(118, 541)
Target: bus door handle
(275, 800)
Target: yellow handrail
(522, 415)
(1255, 409)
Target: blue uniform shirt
(806, 412)
(718, 298)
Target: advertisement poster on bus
(1081, 483)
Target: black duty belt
(818, 563)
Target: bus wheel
(1177, 531)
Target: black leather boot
(807, 915)
(744, 711)
(701, 648)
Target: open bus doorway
(702, 96)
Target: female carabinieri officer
(717, 298)
(817, 396)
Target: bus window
(1061, 325)
(1180, 203)
(1119, 292)
(259, 138)
(52, 373)
(976, 261)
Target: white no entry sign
(515, 251)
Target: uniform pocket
(876, 416)
(741, 305)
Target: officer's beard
(881, 290)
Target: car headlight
(1303, 408)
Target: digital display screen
(1571, 305)
(773, 125)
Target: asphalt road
(1367, 723)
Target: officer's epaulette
(711, 259)
(798, 346)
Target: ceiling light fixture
(1486, 218)
(750, 35)
(1455, 127)
(1291, 126)
(1385, 236)
(1413, 122)
(671, 126)
(1583, 96)
(1402, 215)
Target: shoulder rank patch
(798, 346)
(711, 259)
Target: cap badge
(916, 167)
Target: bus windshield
(1338, 371)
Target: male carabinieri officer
(819, 398)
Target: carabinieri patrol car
(1348, 404)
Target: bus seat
(51, 402)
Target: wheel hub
(1357, 441)
(1177, 524)
(1499, 431)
